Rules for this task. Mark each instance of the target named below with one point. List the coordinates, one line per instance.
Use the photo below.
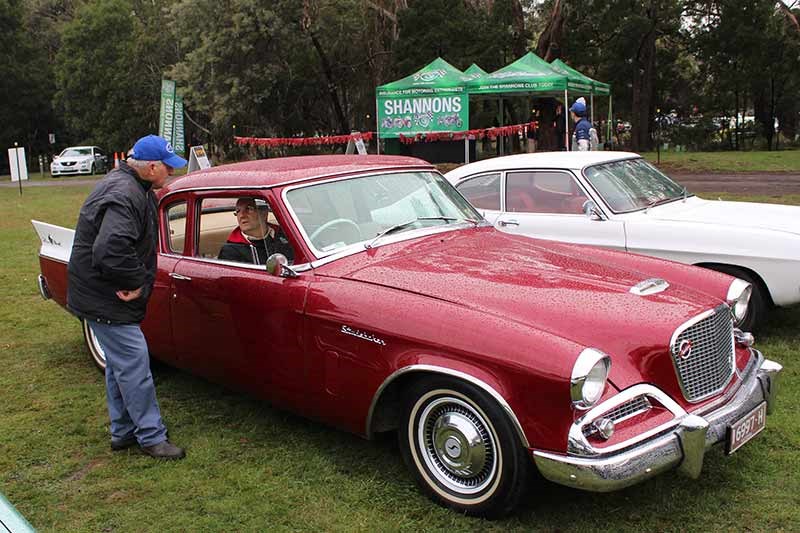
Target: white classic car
(618, 200)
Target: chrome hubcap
(457, 445)
(94, 346)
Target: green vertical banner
(166, 123)
(178, 138)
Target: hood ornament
(649, 286)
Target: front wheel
(96, 353)
(462, 448)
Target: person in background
(532, 130)
(560, 127)
(111, 273)
(254, 240)
(581, 135)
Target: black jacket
(114, 249)
(255, 251)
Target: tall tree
(25, 83)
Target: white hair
(136, 163)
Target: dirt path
(767, 183)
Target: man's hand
(127, 296)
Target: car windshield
(632, 184)
(340, 213)
(74, 152)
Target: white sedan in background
(618, 200)
(79, 160)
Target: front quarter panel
(389, 330)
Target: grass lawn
(776, 161)
(251, 467)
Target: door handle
(510, 222)
(173, 275)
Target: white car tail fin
(56, 241)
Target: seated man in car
(255, 239)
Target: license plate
(746, 428)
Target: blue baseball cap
(579, 107)
(155, 148)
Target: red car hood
(565, 290)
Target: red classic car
(400, 309)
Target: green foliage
(92, 71)
(25, 83)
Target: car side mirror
(591, 210)
(278, 265)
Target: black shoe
(122, 444)
(164, 450)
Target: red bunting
(491, 133)
(302, 141)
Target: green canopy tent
(531, 74)
(474, 71)
(432, 99)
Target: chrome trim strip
(683, 448)
(43, 290)
(649, 286)
(578, 444)
(448, 372)
(303, 267)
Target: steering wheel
(331, 223)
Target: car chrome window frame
(483, 175)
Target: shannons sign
(170, 124)
(422, 114)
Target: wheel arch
(721, 267)
(384, 411)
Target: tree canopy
(90, 71)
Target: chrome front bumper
(682, 446)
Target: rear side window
(554, 192)
(176, 219)
(482, 192)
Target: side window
(544, 192)
(176, 219)
(482, 192)
(243, 230)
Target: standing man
(582, 136)
(110, 278)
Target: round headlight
(589, 376)
(739, 298)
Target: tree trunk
(548, 48)
(309, 14)
(643, 83)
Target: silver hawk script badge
(347, 330)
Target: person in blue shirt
(581, 137)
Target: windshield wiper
(396, 227)
(657, 202)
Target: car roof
(554, 160)
(73, 147)
(284, 170)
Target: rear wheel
(96, 353)
(462, 448)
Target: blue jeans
(130, 391)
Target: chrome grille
(707, 367)
(628, 409)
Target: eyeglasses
(246, 209)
